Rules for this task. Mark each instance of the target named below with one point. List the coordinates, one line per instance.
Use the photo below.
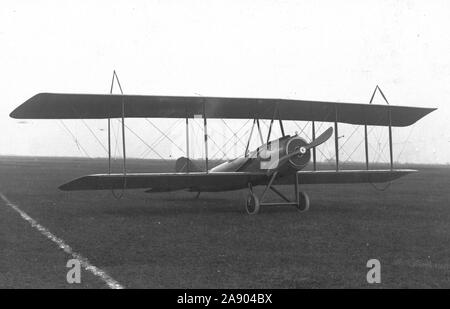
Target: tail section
(184, 165)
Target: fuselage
(264, 158)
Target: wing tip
(65, 187)
(20, 112)
(75, 184)
(13, 114)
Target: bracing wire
(231, 138)
(159, 139)
(144, 142)
(405, 142)
(77, 143)
(165, 135)
(209, 138)
(95, 136)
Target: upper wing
(97, 106)
(345, 176)
(161, 182)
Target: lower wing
(223, 181)
(345, 176)
(162, 182)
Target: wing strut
(259, 131)
(314, 149)
(366, 142)
(390, 141)
(336, 140)
(109, 127)
(187, 144)
(249, 138)
(116, 78)
(205, 126)
(275, 112)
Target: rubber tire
(252, 205)
(303, 204)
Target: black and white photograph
(225, 149)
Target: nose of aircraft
(298, 154)
(297, 150)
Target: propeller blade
(321, 139)
(318, 141)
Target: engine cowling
(299, 161)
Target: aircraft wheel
(252, 205)
(303, 202)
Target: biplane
(276, 162)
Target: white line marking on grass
(113, 284)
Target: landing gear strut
(253, 203)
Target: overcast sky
(319, 50)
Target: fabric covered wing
(345, 176)
(97, 106)
(162, 182)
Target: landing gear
(302, 202)
(252, 205)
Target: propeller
(302, 150)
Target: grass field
(171, 240)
